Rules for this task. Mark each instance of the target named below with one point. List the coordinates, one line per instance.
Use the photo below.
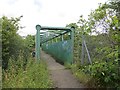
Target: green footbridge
(56, 41)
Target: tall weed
(31, 75)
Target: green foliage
(101, 32)
(19, 69)
(0, 41)
(30, 42)
(12, 43)
(84, 78)
(34, 75)
(67, 66)
(105, 73)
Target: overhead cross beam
(54, 28)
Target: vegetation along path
(61, 77)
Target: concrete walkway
(61, 77)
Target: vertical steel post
(72, 38)
(37, 48)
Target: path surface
(62, 78)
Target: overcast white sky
(46, 12)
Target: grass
(85, 79)
(67, 66)
(35, 75)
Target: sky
(56, 13)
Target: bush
(105, 73)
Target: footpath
(61, 77)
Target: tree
(11, 41)
(101, 32)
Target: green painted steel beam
(37, 48)
(55, 28)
